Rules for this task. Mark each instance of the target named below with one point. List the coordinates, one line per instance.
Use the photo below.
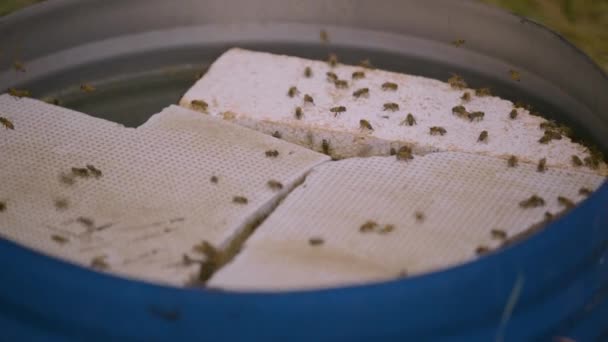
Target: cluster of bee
(372, 226)
(461, 112)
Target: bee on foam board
(466, 96)
(542, 165)
(341, 84)
(59, 239)
(457, 82)
(94, 171)
(315, 241)
(512, 161)
(391, 106)
(199, 105)
(331, 76)
(357, 75)
(368, 226)
(99, 263)
(460, 111)
(437, 130)
(389, 86)
(364, 124)
(361, 92)
(275, 185)
(298, 113)
(483, 136)
(366, 63)
(8, 124)
(337, 110)
(481, 92)
(404, 153)
(533, 201)
(271, 153)
(513, 114)
(408, 121)
(476, 116)
(332, 60)
(308, 99)
(293, 91)
(307, 72)
(325, 146)
(240, 200)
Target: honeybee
(515, 76)
(19, 93)
(566, 202)
(409, 120)
(240, 200)
(498, 234)
(460, 111)
(8, 124)
(85, 221)
(315, 241)
(299, 113)
(366, 63)
(368, 226)
(19, 66)
(341, 84)
(61, 203)
(364, 124)
(2, 206)
(361, 92)
(389, 86)
(512, 161)
(337, 110)
(272, 153)
(548, 216)
(99, 263)
(308, 98)
(392, 106)
(308, 72)
(357, 75)
(214, 179)
(549, 124)
(542, 165)
(275, 185)
(325, 146)
(466, 97)
(592, 162)
(483, 92)
(533, 202)
(419, 216)
(437, 130)
(481, 250)
(404, 153)
(59, 239)
(293, 91)
(199, 105)
(483, 136)
(324, 36)
(476, 116)
(584, 191)
(94, 171)
(457, 82)
(513, 114)
(206, 248)
(332, 59)
(550, 135)
(80, 172)
(387, 229)
(458, 42)
(331, 76)
(277, 134)
(87, 88)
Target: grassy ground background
(583, 22)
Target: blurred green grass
(583, 22)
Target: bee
(392, 106)
(2, 206)
(309, 99)
(548, 136)
(542, 165)
(366, 63)
(361, 92)
(293, 91)
(437, 130)
(67, 179)
(457, 82)
(392, 151)
(389, 86)
(522, 105)
(277, 134)
(408, 121)
(8, 124)
(476, 116)
(404, 153)
(458, 42)
(548, 216)
(498, 234)
(61, 203)
(460, 111)
(324, 36)
(240, 200)
(533, 202)
(565, 202)
(512, 161)
(19, 93)
(483, 136)
(308, 72)
(85, 221)
(337, 110)
(206, 248)
(549, 124)
(19, 66)
(80, 172)
(483, 92)
(481, 250)
(592, 162)
(99, 263)
(466, 97)
(214, 179)
(199, 105)
(357, 75)
(364, 124)
(584, 191)
(325, 146)
(368, 226)
(274, 185)
(331, 76)
(332, 60)
(94, 171)
(515, 76)
(59, 239)
(419, 216)
(315, 241)
(387, 229)
(271, 153)
(341, 84)
(299, 113)
(87, 88)
(513, 114)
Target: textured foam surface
(251, 88)
(463, 197)
(154, 200)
